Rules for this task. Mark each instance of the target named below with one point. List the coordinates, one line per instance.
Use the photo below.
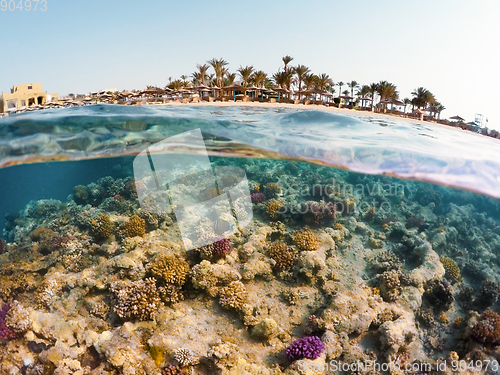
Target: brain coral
(140, 300)
(233, 296)
(134, 226)
(307, 240)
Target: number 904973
(23, 5)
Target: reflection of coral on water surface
(101, 285)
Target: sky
(450, 47)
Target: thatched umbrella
(457, 117)
(234, 87)
(252, 89)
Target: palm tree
(406, 102)
(353, 85)
(310, 80)
(373, 89)
(230, 77)
(219, 68)
(386, 91)
(323, 81)
(245, 74)
(439, 108)
(422, 97)
(259, 77)
(202, 73)
(287, 60)
(301, 71)
(340, 84)
(184, 79)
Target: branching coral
(140, 300)
(173, 370)
(310, 347)
(185, 357)
(258, 197)
(283, 255)
(134, 226)
(17, 318)
(307, 240)
(233, 296)
(487, 329)
(274, 208)
(170, 269)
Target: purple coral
(221, 248)
(309, 347)
(5, 332)
(258, 197)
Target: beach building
(24, 96)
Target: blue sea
(399, 217)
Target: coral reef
(101, 227)
(134, 226)
(169, 268)
(185, 356)
(310, 347)
(283, 256)
(139, 300)
(487, 329)
(258, 197)
(307, 240)
(6, 333)
(274, 208)
(216, 250)
(103, 284)
(452, 271)
(233, 296)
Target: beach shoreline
(340, 111)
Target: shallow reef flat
(335, 268)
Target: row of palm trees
(214, 73)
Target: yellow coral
(273, 208)
(307, 240)
(169, 268)
(451, 268)
(134, 226)
(158, 354)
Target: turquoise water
(379, 236)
